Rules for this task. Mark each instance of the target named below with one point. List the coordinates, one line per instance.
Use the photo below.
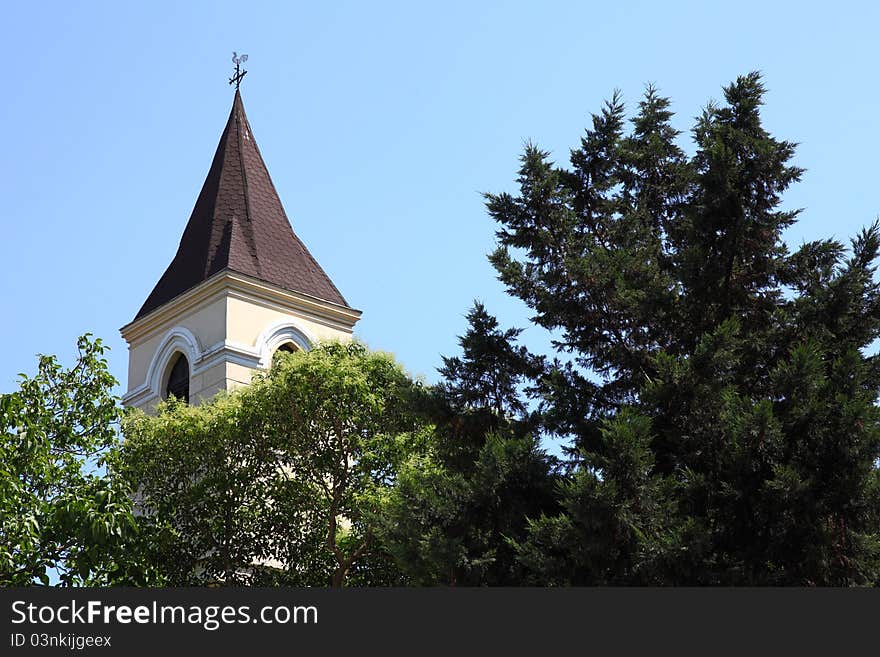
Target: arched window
(178, 379)
(284, 349)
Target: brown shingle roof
(238, 223)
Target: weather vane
(238, 60)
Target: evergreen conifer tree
(719, 394)
(458, 507)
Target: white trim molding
(227, 351)
(276, 335)
(177, 340)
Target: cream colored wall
(205, 385)
(246, 320)
(139, 357)
(207, 323)
(237, 376)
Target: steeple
(241, 286)
(238, 223)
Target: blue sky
(381, 124)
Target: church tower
(241, 286)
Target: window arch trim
(278, 334)
(177, 340)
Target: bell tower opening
(178, 379)
(284, 349)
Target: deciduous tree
(281, 482)
(62, 518)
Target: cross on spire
(238, 60)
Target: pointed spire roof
(238, 223)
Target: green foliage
(617, 522)
(341, 417)
(280, 482)
(459, 504)
(722, 410)
(203, 478)
(448, 527)
(491, 368)
(58, 510)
